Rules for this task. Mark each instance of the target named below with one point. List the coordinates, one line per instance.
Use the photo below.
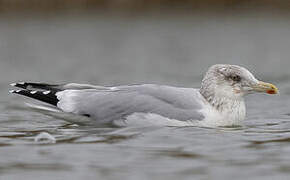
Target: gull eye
(236, 78)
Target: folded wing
(106, 104)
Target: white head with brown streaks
(224, 81)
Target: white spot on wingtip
(44, 137)
(33, 92)
(12, 91)
(17, 91)
(22, 83)
(46, 92)
(13, 84)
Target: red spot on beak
(271, 92)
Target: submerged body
(219, 101)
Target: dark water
(167, 50)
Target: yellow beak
(265, 87)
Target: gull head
(232, 82)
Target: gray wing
(107, 104)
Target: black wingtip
(44, 96)
(36, 86)
(22, 85)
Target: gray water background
(164, 49)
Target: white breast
(231, 113)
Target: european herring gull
(219, 101)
